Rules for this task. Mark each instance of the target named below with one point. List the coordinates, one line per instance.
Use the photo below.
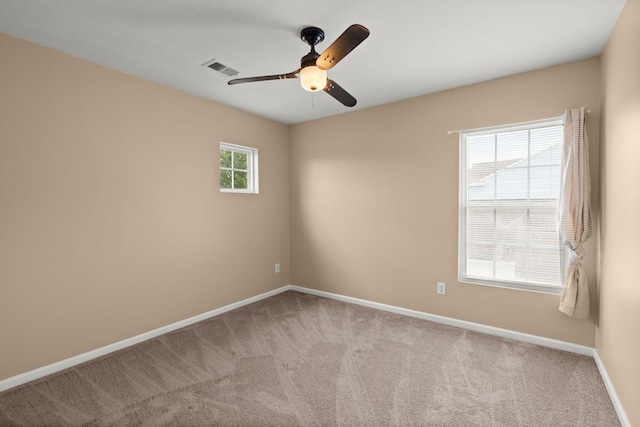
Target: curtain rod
(449, 132)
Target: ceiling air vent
(221, 68)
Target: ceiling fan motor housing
(312, 35)
(309, 59)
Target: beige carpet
(297, 359)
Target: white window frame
(252, 167)
(462, 220)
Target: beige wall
(111, 219)
(618, 332)
(374, 199)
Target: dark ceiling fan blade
(335, 90)
(292, 75)
(352, 37)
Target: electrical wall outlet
(278, 268)
(442, 288)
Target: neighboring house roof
(511, 176)
(480, 171)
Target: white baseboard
(85, 357)
(477, 327)
(622, 416)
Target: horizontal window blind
(509, 188)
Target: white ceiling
(415, 47)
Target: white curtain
(574, 212)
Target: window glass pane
(225, 179)
(482, 167)
(550, 156)
(546, 266)
(545, 182)
(481, 149)
(544, 139)
(225, 158)
(480, 225)
(239, 179)
(480, 260)
(512, 148)
(542, 226)
(512, 184)
(511, 230)
(240, 160)
(511, 225)
(480, 241)
(507, 257)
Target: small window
(238, 168)
(509, 189)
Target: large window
(238, 168)
(509, 188)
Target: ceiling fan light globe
(313, 78)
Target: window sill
(226, 190)
(544, 289)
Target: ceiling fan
(313, 66)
